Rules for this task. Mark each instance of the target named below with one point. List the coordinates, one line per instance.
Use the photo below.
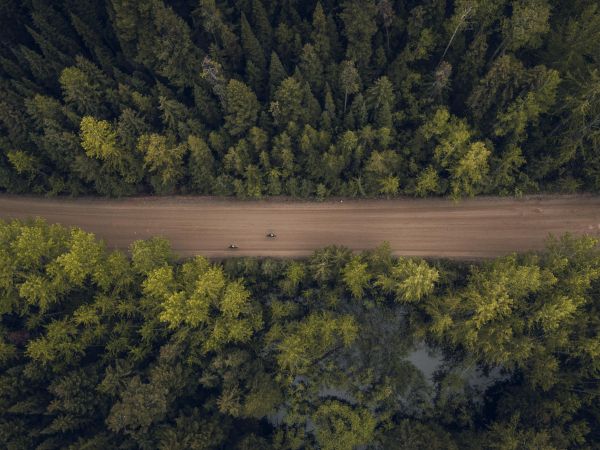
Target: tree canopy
(446, 97)
(142, 350)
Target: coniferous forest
(257, 98)
(104, 351)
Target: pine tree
(255, 56)
(304, 343)
(527, 25)
(201, 165)
(465, 161)
(277, 74)
(329, 117)
(349, 80)
(85, 89)
(99, 140)
(356, 277)
(385, 9)
(287, 104)
(341, 426)
(312, 68)
(409, 280)
(210, 17)
(380, 101)
(241, 108)
(310, 106)
(264, 31)
(162, 158)
(320, 33)
(359, 28)
(174, 114)
(358, 114)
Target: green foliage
(162, 158)
(83, 255)
(241, 108)
(98, 139)
(359, 28)
(193, 432)
(409, 280)
(22, 162)
(277, 73)
(341, 426)
(380, 100)
(527, 24)
(223, 308)
(99, 349)
(476, 97)
(85, 88)
(349, 80)
(305, 343)
(356, 277)
(254, 54)
(149, 255)
(287, 104)
(428, 182)
(464, 162)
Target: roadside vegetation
(310, 98)
(100, 349)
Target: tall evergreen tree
(255, 56)
(277, 73)
(359, 28)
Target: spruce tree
(277, 73)
(255, 56)
(262, 25)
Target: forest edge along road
(469, 229)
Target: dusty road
(474, 228)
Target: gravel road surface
(470, 229)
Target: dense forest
(102, 350)
(303, 98)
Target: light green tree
(287, 104)
(349, 80)
(23, 163)
(294, 275)
(150, 254)
(389, 185)
(410, 280)
(81, 260)
(302, 344)
(99, 140)
(427, 182)
(464, 161)
(241, 108)
(356, 276)
(163, 158)
(527, 25)
(209, 301)
(343, 427)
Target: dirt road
(474, 228)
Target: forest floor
(469, 229)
